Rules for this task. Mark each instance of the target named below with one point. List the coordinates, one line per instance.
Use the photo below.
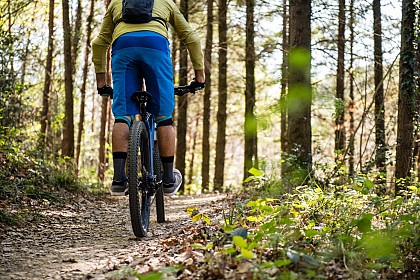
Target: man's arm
(100, 79)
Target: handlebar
(193, 87)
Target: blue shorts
(138, 55)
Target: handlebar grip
(193, 87)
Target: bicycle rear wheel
(138, 183)
(160, 204)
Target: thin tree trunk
(83, 89)
(250, 159)
(48, 79)
(194, 144)
(406, 104)
(205, 165)
(299, 91)
(76, 35)
(418, 93)
(284, 78)
(221, 112)
(67, 144)
(380, 140)
(102, 140)
(351, 93)
(340, 131)
(104, 120)
(182, 106)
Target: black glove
(106, 91)
(194, 86)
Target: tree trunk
(221, 112)
(406, 98)
(351, 93)
(205, 165)
(418, 92)
(67, 144)
(284, 78)
(380, 140)
(299, 92)
(48, 79)
(250, 157)
(340, 131)
(84, 82)
(182, 105)
(76, 35)
(194, 145)
(102, 140)
(104, 119)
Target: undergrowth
(26, 177)
(316, 231)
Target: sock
(168, 170)
(119, 159)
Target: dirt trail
(90, 239)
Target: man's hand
(194, 86)
(106, 91)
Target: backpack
(138, 11)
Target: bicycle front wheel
(138, 183)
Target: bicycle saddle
(141, 96)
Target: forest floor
(91, 238)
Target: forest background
(313, 106)
(36, 100)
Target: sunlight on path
(85, 240)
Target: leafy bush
(342, 231)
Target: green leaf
(407, 218)
(365, 223)
(206, 219)
(249, 179)
(239, 241)
(198, 246)
(246, 253)
(196, 217)
(150, 276)
(190, 210)
(255, 172)
(280, 263)
(252, 218)
(252, 203)
(413, 188)
(311, 233)
(379, 244)
(268, 225)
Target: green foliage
(317, 231)
(197, 216)
(25, 176)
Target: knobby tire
(138, 189)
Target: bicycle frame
(149, 121)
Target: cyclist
(142, 51)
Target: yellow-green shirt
(165, 9)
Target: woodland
(301, 157)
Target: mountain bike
(144, 165)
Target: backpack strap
(161, 21)
(158, 19)
(118, 21)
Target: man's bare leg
(172, 178)
(120, 135)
